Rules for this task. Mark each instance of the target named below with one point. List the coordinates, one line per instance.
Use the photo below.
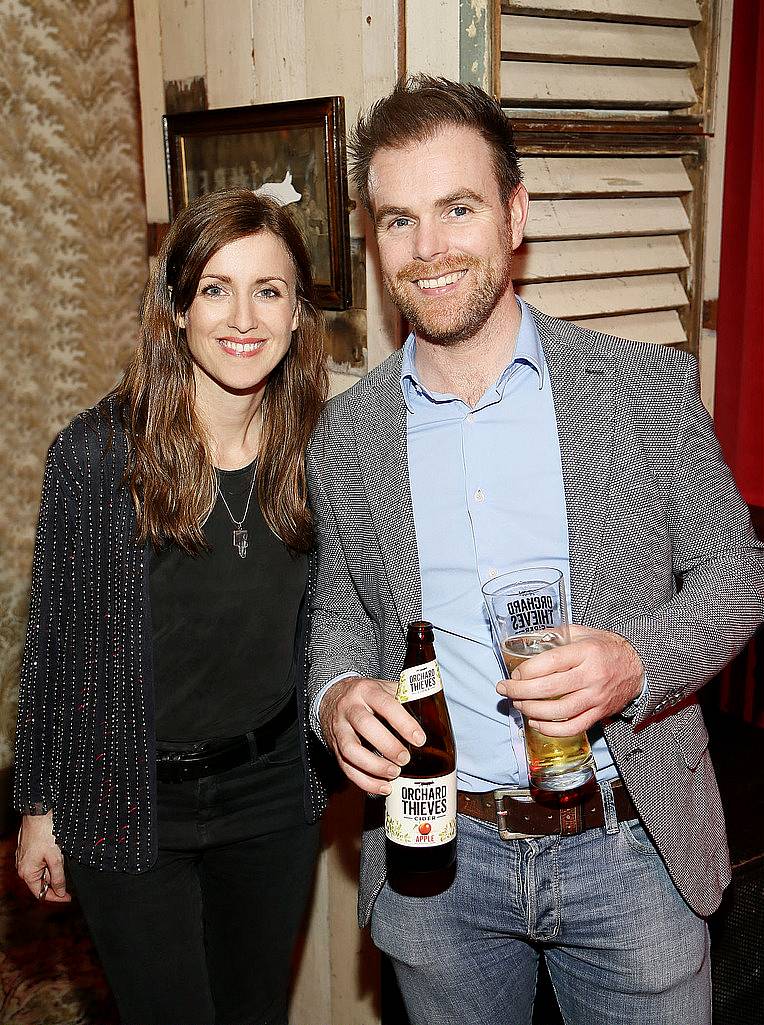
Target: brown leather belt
(517, 816)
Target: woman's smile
(242, 347)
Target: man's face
(445, 237)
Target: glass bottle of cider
(420, 813)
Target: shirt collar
(528, 351)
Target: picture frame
(292, 151)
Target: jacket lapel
(583, 387)
(384, 468)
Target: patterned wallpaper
(72, 252)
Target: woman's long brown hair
(170, 472)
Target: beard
(450, 319)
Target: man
(498, 439)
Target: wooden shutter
(609, 98)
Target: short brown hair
(415, 110)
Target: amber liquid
(435, 759)
(554, 763)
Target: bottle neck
(419, 654)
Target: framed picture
(293, 152)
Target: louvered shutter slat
(568, 41)
(594, 176)
(599, 218)
(661, 326)
(659, 12)
(595, 86)
(546, 261)
(596, 296)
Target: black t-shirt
(224, 626)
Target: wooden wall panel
(432, 37)
(148, 43)
(337, 58)
(228, 44)
(279, 51)
(380, 56)
(182, 23)
(714, 201)
(338, 974)
(379, 48)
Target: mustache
(416, 270)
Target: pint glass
(529, 614)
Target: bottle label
(419, 682)
(421, 812)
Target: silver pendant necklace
(239, 534)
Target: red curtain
(739, 397)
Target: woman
(162, 736)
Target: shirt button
(493, 573)
(470, 418)
(480, 495)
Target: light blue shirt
(488, 498)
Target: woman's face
(239, 325)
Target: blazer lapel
(583, 387)
(384, 468)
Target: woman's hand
(39, 861)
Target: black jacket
(85, 743)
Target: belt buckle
(501, 812)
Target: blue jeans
(620, 944)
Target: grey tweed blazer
(661, 551)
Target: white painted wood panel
(598, 257)
(600, 296)
(333, 32)
(379, 26)
(597, 218)
(660, 12)
(311, 998)
(600, 176)
(597, 86)
(596, 42)
(432, 38)
(279, 51)
(182, 24)
(151, 89)
(661, 326)
(228, 48)
(338, 976)
(712, 226)
(383, 321)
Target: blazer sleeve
(718, 567)
(42, 659)
(343, 636)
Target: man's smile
(442, 282)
